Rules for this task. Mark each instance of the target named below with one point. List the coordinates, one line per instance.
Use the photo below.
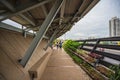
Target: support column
(51, 40)
(24, 34)
(43, 29)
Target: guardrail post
(82, 44)
(95, 46)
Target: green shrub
(116, 75)
(77, 59)
(72, 45)
(69, 44)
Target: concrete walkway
(62, 67)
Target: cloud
(79, 34)
(96, 22)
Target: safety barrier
(105, 47)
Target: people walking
(57, 45)
(60, 44)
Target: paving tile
(62, 67)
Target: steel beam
(63, 27)
(46, 37)
(80, 7)
(13, 28)
(44, 10)
(51, 39)
(24, 34)
(43, 29)
(11, 7)
(22, 9)
(62, 12)
(27, 19)
(8, 5)
(2, 11)
(94, 2)
(29, 28)
(30, 14)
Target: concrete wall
(12, 48)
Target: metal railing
(109, 46)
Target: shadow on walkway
(62, 67)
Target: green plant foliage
(95, 75)
(107, 72)
(77, 59)
(72, 45)
(116, 75)
(80, 51)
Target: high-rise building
(114, 27)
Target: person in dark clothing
(57, 45)
(60, 44)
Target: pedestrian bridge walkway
(61, 67)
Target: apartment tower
(114, 27)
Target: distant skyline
(96, 22)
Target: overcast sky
(96, 22)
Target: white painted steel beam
(43, 29)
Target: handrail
(88, 43)
(115, 47)
(102, 39)
(106, 54)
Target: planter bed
(104, 70)
(89, 68)
(90, 62)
